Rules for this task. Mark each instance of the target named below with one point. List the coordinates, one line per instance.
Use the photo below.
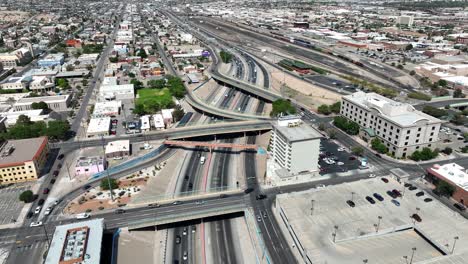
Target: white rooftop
(46, 99)
(117, 146)
(454, 173)
(83, 239)
(158, 121)
(99, 125)
(401, 113)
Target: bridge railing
(126, 165)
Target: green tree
(357, 150)
(419, 96)
(442, 83)
(105, 184)
(157, 84)
(433, 111)
(324, 109)
(139, 109)
(282, 106)
(409, 47)
(142, 53)
(114, 59)
(176, 86)
(348, 126)
(136, 84)
(26, 196)
(458, 94)
(57, 129)
(62, 83)
(412, 72)
(335, 108)
(378, 146)
(447, 150)
(332, 133)
(40, 105)
(445, 188)
(23, 120)
(178, 113)
(459, 119)
(226, 57)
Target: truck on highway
(202, 160)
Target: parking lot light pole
(334, 233)
(454, 242)
(412, 255)
(406, 259)
(312, 207)
(352, 197)
(377, 226)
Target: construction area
(340, 224)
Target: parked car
(396, 192)
(153, 205)
(33, 224)
(407, 184)
(52, 181)
(351, 203)
(416, 217)
(60, 157)
(412, 188)
(459, 206)
(384, 179)
(86, 187)
(57, 202)
(177, 202)
(55, 173)
(40, 202)
(29, 215)
(38, 210)
(378, 197)
(119, 211)
(427, 200)
(46, 191)
(378, 155)
(48, 210)
(391, 194)
(370, 200)
(418, 194)
(395, 202)
(83, 216)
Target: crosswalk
(35, 245)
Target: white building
(295, 146)
(167, 116)
(118, 148)
(99, 127)
(109, 80)
(401, 127)
(78, 242)
(34, 116)
(57, 103)
(107, 108)
(405, 20)
(117, 92)
(145, 125)
(158, 122)
(15, 83)
(41, 84)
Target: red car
(55, 173)
(46, 191)
(384, 180)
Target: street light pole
(454, 242)
(378, 224)
(106, 169)
(334, 234)
(412, 255)
(312, 207)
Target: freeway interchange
(277, 250)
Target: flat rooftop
(298, 133)
(16, 152)
(454, 173)
(357, 237)
(79, 241)
(45, 99)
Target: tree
(357, 150)
(378, 146)
(447, 150)
(433, 111)
(23, 120)
(69, 67)
(321, 126)
(442, 83)
(409, 47)
(114, 59)
(62, 83)
(136, 84)
(331, 133)
(458, 94)
(40, 105)
(324, 109)
(445, 188)
(142, 53)
(157, 84)
(139, 109)
(57, 129)
(26, 196)
(459, 119)
(348, 126)
(105, 184)
(282, 106)
(424, 154)
(335, 108)
(178, 113)
(400, 66)
(226, 57)
(412, 72)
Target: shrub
(419, 96)
(26, 196)
(378, 146)
(348, 126)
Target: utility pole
(454, 242)
(412, 255)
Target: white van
(83, 216)
(202, 160)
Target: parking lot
(330, 150)
(450, 138)
(10, 205)
(368, 230)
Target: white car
(38, 210)
(83, 216)
(33, 224)
(48, 210)
(321, 186)
(341, 149)
(56, 202)
(118, 158)
(339, 163)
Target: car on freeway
(378, 197)
(177, 202)
(259, 218)
(370, 200)
(83, 216)
(86, 187)
(184, 233)
(395, 202)
(178, 239)
(41, 202)
(154, 205)
(412, 188)
(38, 210)
(265, 215)
(194, 229)
(185, 255)
(339, 163)
(384, 179)
(341, 149)
(33, 224)
(427, 200)
(350, 203)
(46, 191)
(416, 217)
(119, 211)
(459, 206)
(419, 194)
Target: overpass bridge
(189, 212)
(173, 133)
(210, 145)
